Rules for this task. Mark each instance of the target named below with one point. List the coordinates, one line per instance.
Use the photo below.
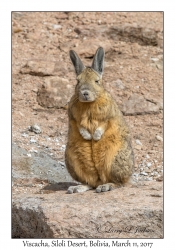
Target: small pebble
(148, 170)
(61, 163)
(138, 142)
(33, 150)
(148, 164)
(138, 147)
(143, 173)
(57, 26)
(24, 135)
(63, 147)
(159, 138)
(154, 59)
(32, 140)
(119, 84)
(35, 128)
(148, 179)
(29, 155)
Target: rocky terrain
(43, 81)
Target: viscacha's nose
(85, 93)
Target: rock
(57, 26)
(149, 37)
(155, 100)
(154, 59)
(24, 164)
(24, 135)
(148, 170)
(137, 105)
(155, 173)
(127, 33)
(54, 93)
(88, 47)
(17, 29)
(159, 65)
(138, 147)
(160, 104)
(148, 164)
(17, 14)
(111, 214)
(143, 173)
(35, 128)
(32, 140)
(157, 62)
(133, 33)
(63, 147)
(61, 15)
(138, 142)
(159, 138)
(119, 84)
(91, 32)
(44, 68)
(148, 179)
(38, 68)
(160, 178)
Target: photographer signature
(107, 227)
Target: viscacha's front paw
(98, 134)
(85, 134)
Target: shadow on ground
(50, 188)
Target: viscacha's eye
(97, 81)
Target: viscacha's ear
(78, 65)
(98, 61)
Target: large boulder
(138, 105)
(55, 92)
(133, 211)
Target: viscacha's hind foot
(105, 187)
(78, 189)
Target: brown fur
(109, 159)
